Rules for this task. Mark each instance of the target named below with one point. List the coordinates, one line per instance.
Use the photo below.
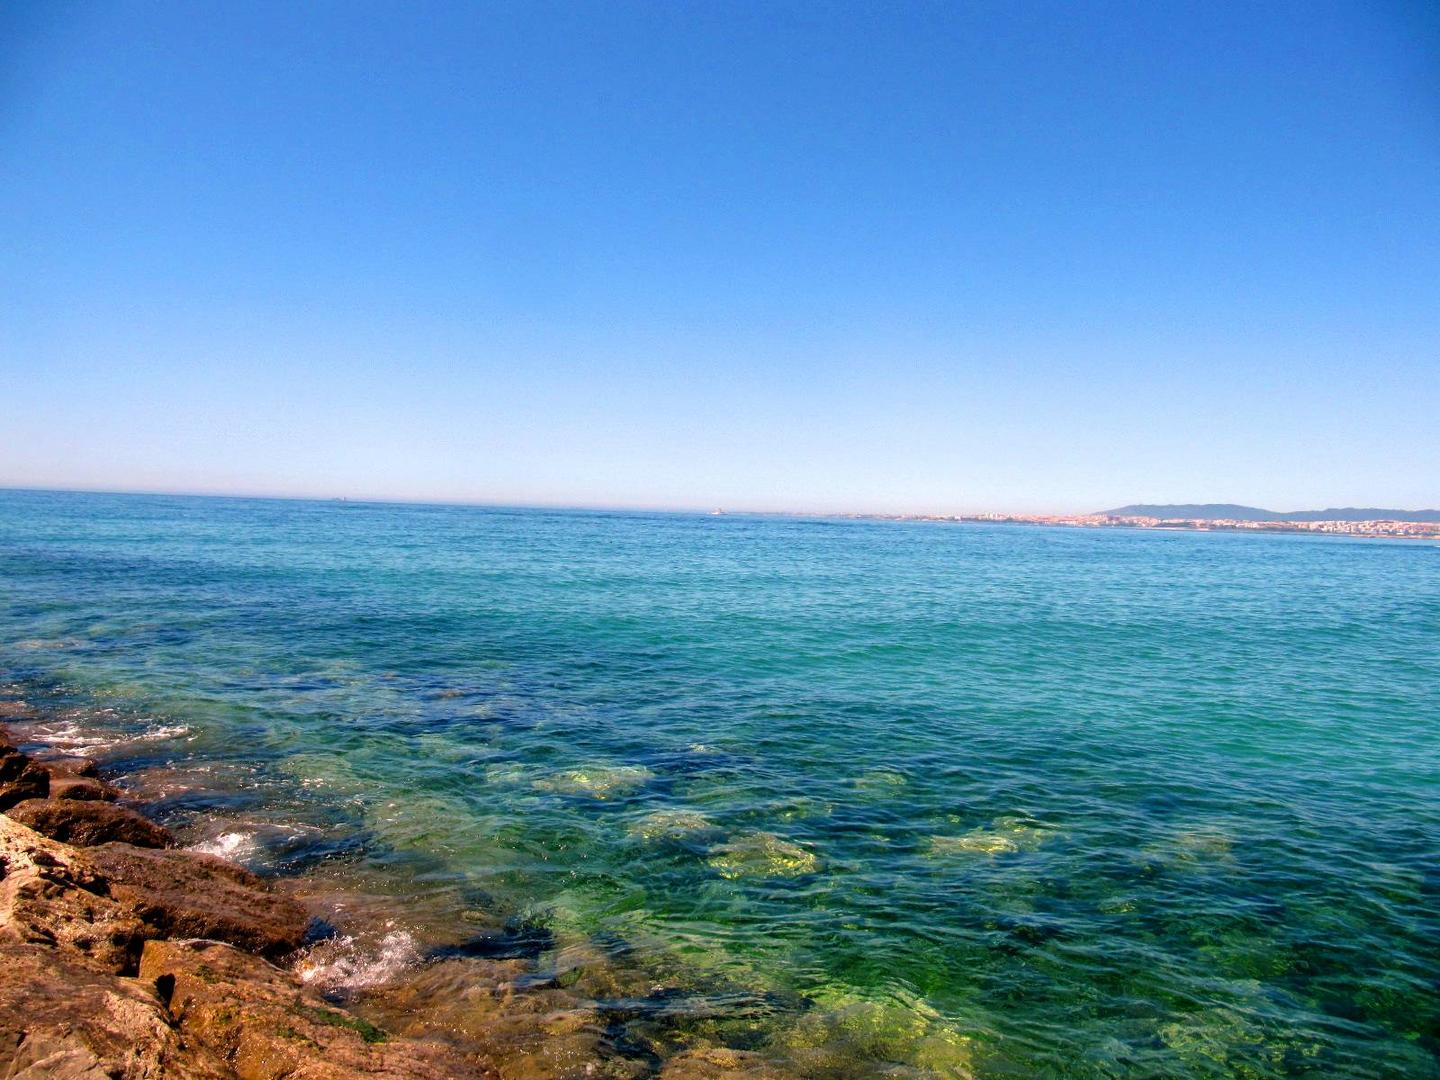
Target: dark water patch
(514, 941)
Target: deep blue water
(985, 800)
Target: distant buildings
(1423, 530)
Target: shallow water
(994, 800)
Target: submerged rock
(87, 823)
(848, 1035)
(762, 854)
(719, 1063)
(1005, 835)
(979, 842)
(526, 1033)
(186, 894)
(670, 825)
(598, 781)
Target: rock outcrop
(185, 894)
(249, 1013)
(93, 990)
(88, 822)
(51, 896)
(20, 778)
(60, 1018)
(67, 785)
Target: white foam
(238, 846)
(350, 963)
(163, 731)
(72, 738)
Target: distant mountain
(1232, 512)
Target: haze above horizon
(767, 256)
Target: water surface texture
(953, 799)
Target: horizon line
(392, 500)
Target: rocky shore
(126, 957)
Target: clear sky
(880, 256)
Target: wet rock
(88, 823)
(66, 1021)
(20, 778)
(65, 785)
(68, 782)
(186, 894)
(719, 1063)
(50, 895)
(68, 764)
(81, 789)
(246, 1010)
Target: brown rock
(185, 894)
(252, 1014)
(20, 778)
(67, 763)
(87, 823)
(62, 1020)
(50, 895)
(80, 788)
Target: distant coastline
(1219, 517)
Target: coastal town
(1407, 530)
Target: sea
(872, 798)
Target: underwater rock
(670, 825)
(525, 1033)
(881, 782)
(598, 781)
(185, 894)
(87, 823)
(1004, 836)
(719, 1063)
(841, 1034)
(762, 854)
(979, 842)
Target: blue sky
(881, 256)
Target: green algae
(762, 854)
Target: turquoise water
(995, 800)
